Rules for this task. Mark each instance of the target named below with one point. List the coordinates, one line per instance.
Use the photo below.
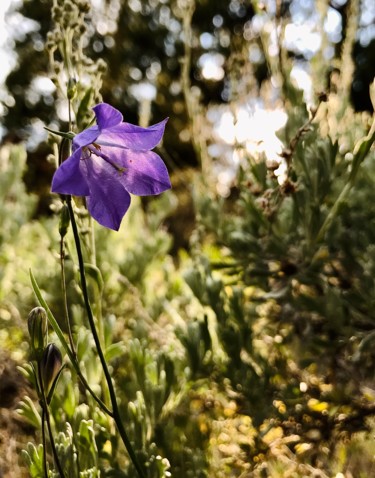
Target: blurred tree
(165, 58)
(144, 43)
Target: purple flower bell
(111, 160)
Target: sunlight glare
(212, 66)
(302, 39)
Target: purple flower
(109, 161)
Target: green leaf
(114, 351)
(95, 273)
(62, 134)
(28, 410)
(361, 150)
(53, 386)
(34, 459)
(52, 320)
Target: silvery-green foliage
(17, 204)
(34, 458)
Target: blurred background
(232, 47)
(259, 308)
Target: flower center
(91, 151)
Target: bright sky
(4, 55)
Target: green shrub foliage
(238, 323)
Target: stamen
(120, 169)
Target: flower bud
(38, 331)
(64, 220)
(50, 366)
(72, 88)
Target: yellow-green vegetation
(236, 317)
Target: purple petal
(129, 136)
(88, 136)
(108, 200)
(145, 173)
(107, 116)
(68, 178)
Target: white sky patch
(211, 65)
(207, 40)
(366, 31)
(63, 110)
(333, 25)
(302, 39)
(7, 60)
(251, 131)
(225, 129)
(143, 91)
(43, 85)
(258, 131)
(254, 129)
(303, 81)
(37, 134)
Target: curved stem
(65, 345)
(115, 408)
(71, 351)
(101, 404)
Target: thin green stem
(45, 415)
(333, 212)
(72, 351)
(65, 344)
(92, 242)
(98, 301)
(44, 442)
(62, 254)
(52, 441)
(69, 115)
(116, 411)
(62, 134)
(65, 299)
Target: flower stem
(52, 441)
(46, 419)
(65, 344)
(115, 408)
(65, 300)
(44, 441)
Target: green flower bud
(50, 367)
(38, 331)
(64, 220)
(72, 88)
